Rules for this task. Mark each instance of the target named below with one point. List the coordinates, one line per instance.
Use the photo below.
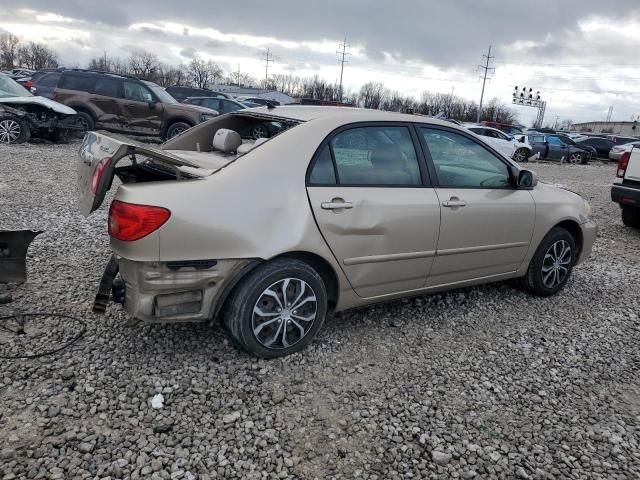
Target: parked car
(626, 187)
(553, 147)
(616, 152)
(121, 103)
(590, 152)
(602, 145)
(346, 208)
(619, 140)
(17, 73)
(181, 93)
(257, 100)
(221, 105)
(503, 127)
(516, 148)
(23, 115)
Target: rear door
(106, 97)
(486, 224)
(141, 111)
(45, 86)
(538, 145)
(371, 201)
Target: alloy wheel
(520, 155)
(556, 263)
(259, 131)
(284, 313)
(177, 131)
(575, 158)
(10, 131)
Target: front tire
(552, 264)
(277, 309)
(576, 159)
(631, 216)
(177, 128)
(14, 130)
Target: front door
(141, 113)
(369, 198)
(557, 150)
(486, 224)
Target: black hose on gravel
(20, 321)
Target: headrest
(247, 147)
(386, 158)
(226, 140)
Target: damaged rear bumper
(184, 291)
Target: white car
(516, 147)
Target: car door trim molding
(388, 257)
(481, 248)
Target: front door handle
(454, 202)
(336, 204)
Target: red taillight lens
(98, 173)
(128, 221)
(623, 163)
(28, 84)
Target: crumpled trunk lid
(99, 155)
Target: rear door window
(380, 156)
(49, 80)
(80, 83)
(107, 86)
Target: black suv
(120, 103)
(181, 93)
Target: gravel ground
(485, 382)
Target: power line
(484, 77)
(344, 53)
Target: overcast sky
(583, 55)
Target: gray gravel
(478, 383)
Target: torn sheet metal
(13, 254)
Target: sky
(582, 55)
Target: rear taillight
(129, 221)
(623, 163)
(98, 173)
(28, 84)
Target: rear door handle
(454, 202)
(336, 205)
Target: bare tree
(8, 50)
(372, 95)
(37, 56)
(144, 65)
(203, 73)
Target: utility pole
(342, 53)
(609, 113)
(487, 69)
(267, 59)
(238, 79)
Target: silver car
(333, 208)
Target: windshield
(159, 92)
(11, 88)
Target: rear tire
(576, 158)
(176, 129)
(277, 309)
(631, 216)
(521, 155)
(551, 265)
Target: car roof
(486, 128)
(344, 115)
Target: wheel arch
(84, 109)
(169, 123)
(574, 229)
(318, 263)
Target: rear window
(82, 83)
(623, 140)
(49, 80)
(107, 86)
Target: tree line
(207, 73)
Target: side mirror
(527, 180)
